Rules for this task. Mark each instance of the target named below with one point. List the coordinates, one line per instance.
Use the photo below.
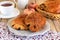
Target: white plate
(28, 33)
(15, 13)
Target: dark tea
(6, 4)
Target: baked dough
(18, 23)
(52, 6)
(35, 22)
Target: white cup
(21, 3)
(5, 8)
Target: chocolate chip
(32, 3)
(35, 9)
(13, 25)
(34, 26)
(28, 25)
(42, 7)
(18, 28)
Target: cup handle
(0, 10)
(15, 1)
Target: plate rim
(29, 35)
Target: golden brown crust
(35, 21)
(51, 6)
(18, 23)
(48, 10)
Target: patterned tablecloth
(6, 35)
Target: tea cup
(6, 7)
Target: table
(54, 28)
(5, 34)
(54, 24)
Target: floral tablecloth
(6, 35)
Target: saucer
(10, 15)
